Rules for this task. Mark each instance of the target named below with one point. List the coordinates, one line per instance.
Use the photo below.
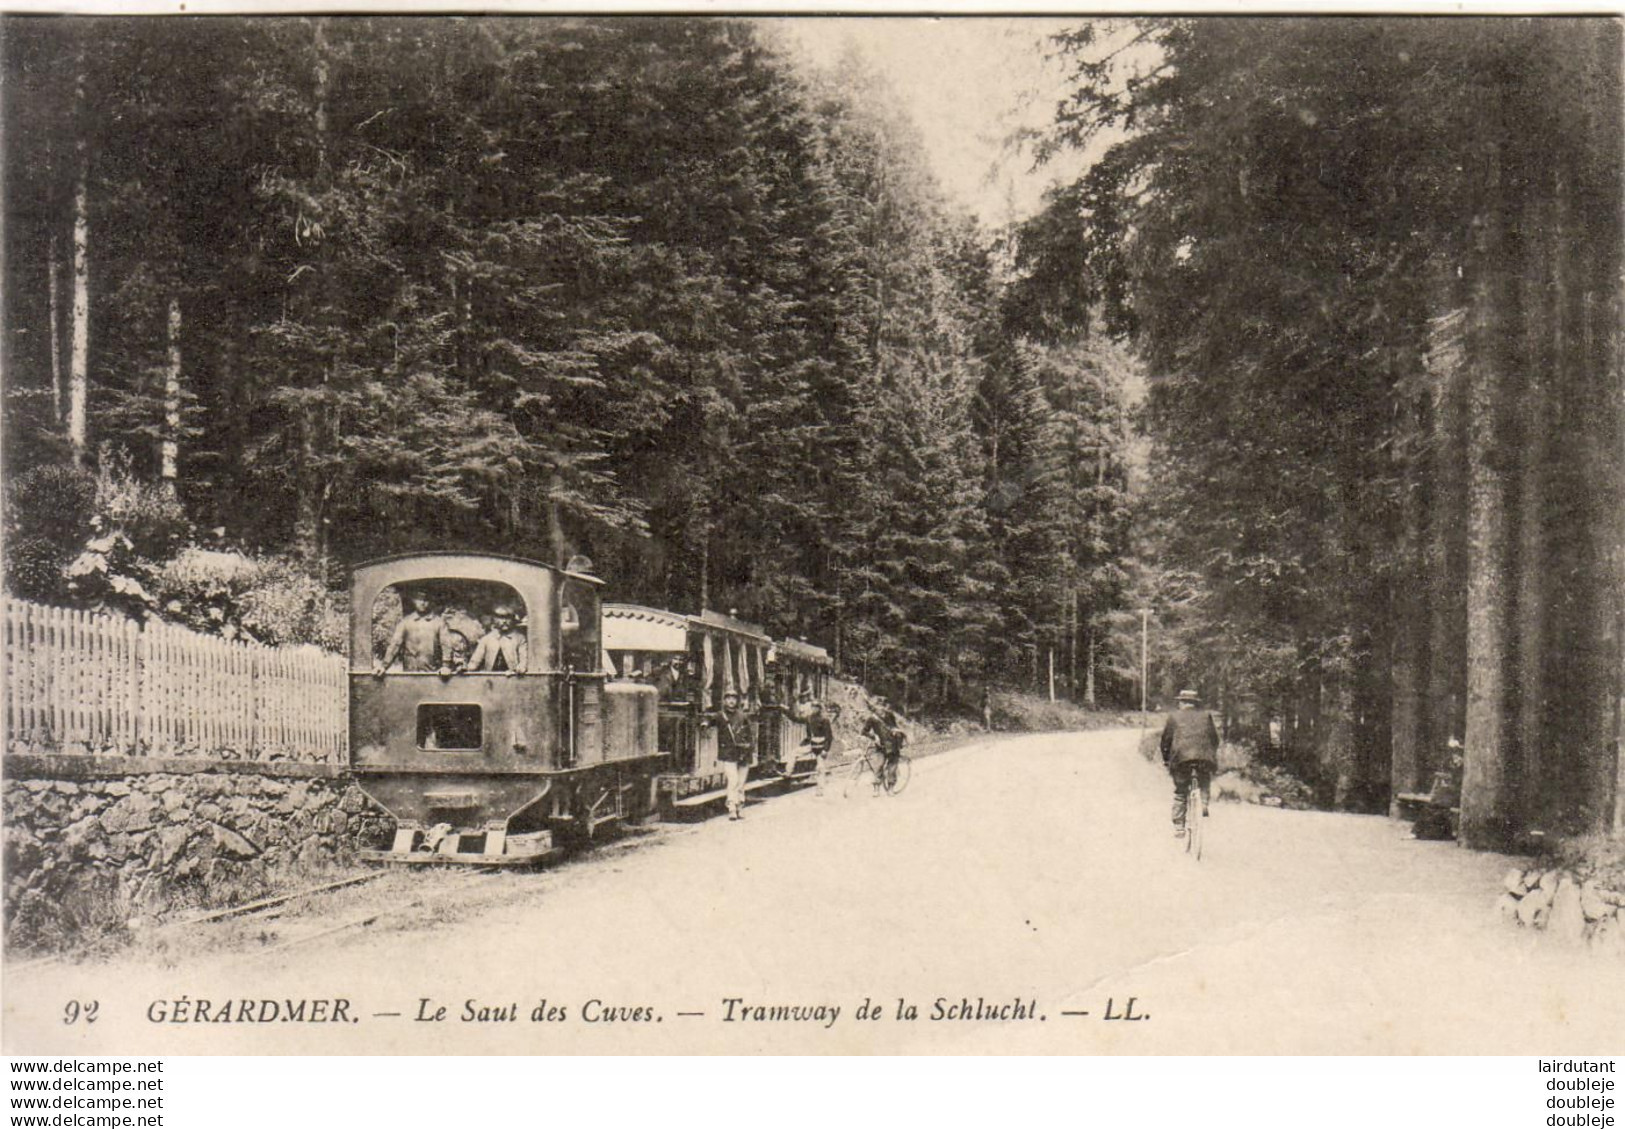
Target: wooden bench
(1437, 810)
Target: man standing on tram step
(502, 649)
(421, 640)
(1190, 750)
(820, 739)
(736, 742)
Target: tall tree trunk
(169, 453)
(1599, 768)
(231, 504)
(1373, 714)
(840, 622)
(1089, 667)
(705, 560)
(1407, 600)
(1072, 649)
(309, 539)
(307, 515)
(1337, 756)
(1485, 807)
(555, 520)
(1543, 288)
(79, 356)
(1606, 148)
(54, 282)
(1305, 729)
(1446, 553)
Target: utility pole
(1145, 667)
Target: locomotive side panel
(422, 722)
(630, 721)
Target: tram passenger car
(798, 673)
(692, 661)
(487, 766)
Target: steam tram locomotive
(488, 765)
(574, 716)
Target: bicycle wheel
(1195, 823)
(860, 772)
(897, 775)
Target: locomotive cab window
(451, 728)
(446, 626)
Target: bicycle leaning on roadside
(874, 767)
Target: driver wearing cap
(502, 649)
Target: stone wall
(1570, 906)
(94, 844)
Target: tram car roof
(451, 564)
(716, 621)
(798, 651)
(631, 627)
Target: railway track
(276, 931)
(467, 880)
(306, 915)
(456, 889)
(269, 907)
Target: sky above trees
(970, 85)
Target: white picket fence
(79, 682)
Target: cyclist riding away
(1190, 750)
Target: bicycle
(1195, 820)
(891, 775)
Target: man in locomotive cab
(736, 744)
(421, 640)
(502, 649)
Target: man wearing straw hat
(1190, 750)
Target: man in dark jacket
(1190, 750)
(820, 739)
(736, 748)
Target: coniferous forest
(634, 288)
(286, 294)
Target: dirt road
(1021, 879)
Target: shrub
(269, 600)
(48, 514)
(1281, 785)
(90, 541)
(1029, 713)
(148, 514)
